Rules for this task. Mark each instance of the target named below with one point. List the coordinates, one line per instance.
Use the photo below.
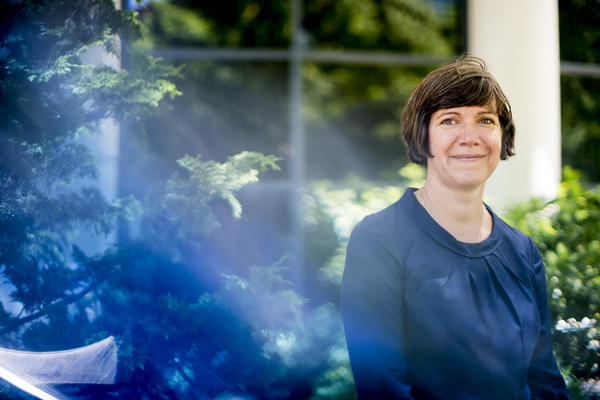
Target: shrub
(567, 232)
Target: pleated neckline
(445, 238)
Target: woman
(441, 299)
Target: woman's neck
(460, 212)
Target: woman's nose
(469, 136)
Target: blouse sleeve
(544, 378)
(371, 305)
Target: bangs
(474, 91)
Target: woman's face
(465, 143)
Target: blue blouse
(429, 317)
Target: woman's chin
(468, 183)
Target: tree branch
(14, 324)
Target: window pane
(579, 38)
(224, 23)
(429, 27)
(225, 109)
(352, 117)
(580, 109)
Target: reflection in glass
(225, 109)
(352, 118)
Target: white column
(518, 39)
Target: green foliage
(233, 23)
(350, 105)
(580, 127)
(181, 211)
(140, 88)
(241, 338)
(336, 382)
(50, 99)
(238, 337)
(179, 25)
(400, 25)
(567, 232)
(254, 321)
(579, 35)
(580, 107)
(364, 102)
(265, 302)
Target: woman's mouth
(469, 157)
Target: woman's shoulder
(520, 249)
(383, 222)
(388, 231)
(381, 216)
(391, 217)
(515, 237)
(375, 247)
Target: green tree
(232, 23)
(358, 106)
(580, 124)
(174, 341)
(567, 231)
(49, 100)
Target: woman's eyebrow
(482, 112)
(448, 113)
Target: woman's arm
(544, 378)
(372, 311)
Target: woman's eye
(487, 121)
(448, 122)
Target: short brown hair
(466, 82)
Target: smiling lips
(468, 157)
